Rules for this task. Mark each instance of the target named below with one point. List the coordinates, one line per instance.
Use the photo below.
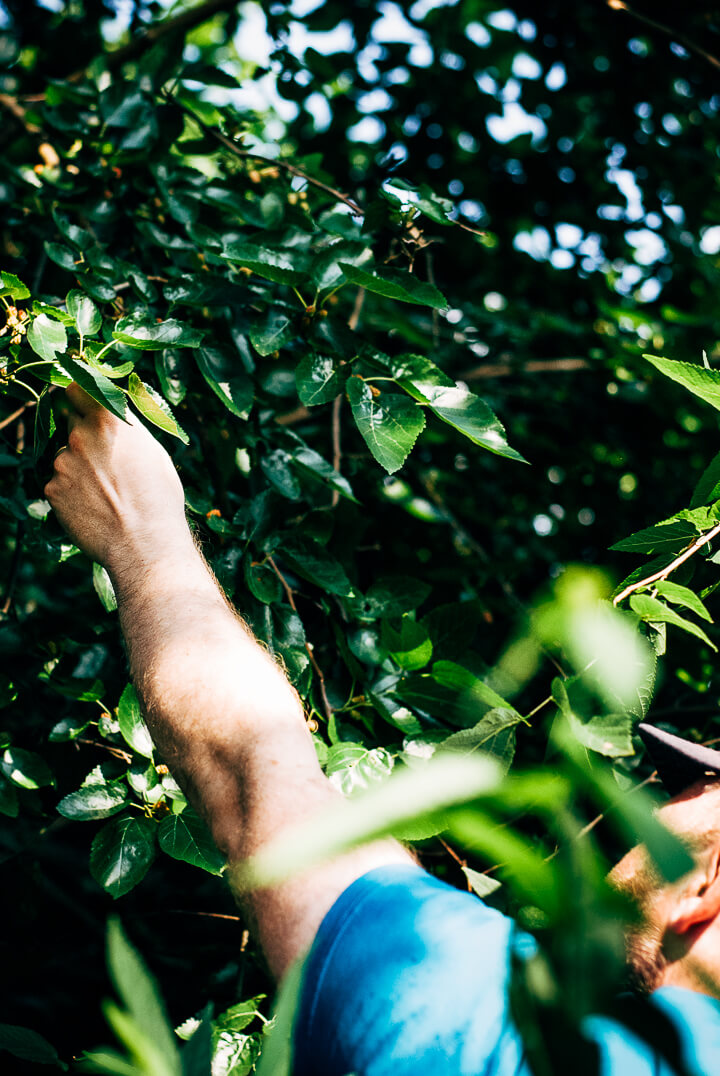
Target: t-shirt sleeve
(409, 976)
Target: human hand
(115, 490)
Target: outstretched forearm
(221, 711)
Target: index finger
(80, 401)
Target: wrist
(140, 552)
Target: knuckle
(75, 442)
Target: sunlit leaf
(154, 408)
(390, 424)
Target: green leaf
(277, 467)
(351, 767)
(391, 597)
(453, 403)
(395, 284)
(121, 854)
(262, 582)
(668, 537)
(237, 1017)
(197, 1056)
(483, 885)
(12, 286)
(653, 610)
(44, 423)
(104, 588)
(27, 1045)
(98, 387)
(310, 462)
(140, 995)
(8, 798)
(171, 368)
(88, 318)
(679, 595)
(137, 331)
(94, 801)
(389, 424)
(132, 725)
(153, 407)
(452, 627)
(25, 768)
(115, 373)
(325, 268)
(697, 379)
(227, 378)
(47, 337)
(278, 1050)
(451, 694)
(606, 734)
(313, 562)
(62, 256)
(270, 264)
(409, 644)
(272, 332)
(708, 488)
(186, 837)
(318, 379)
(494, 734)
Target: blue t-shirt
(410, 977)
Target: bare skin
(231, 726)
(222, 713)
(686, 914)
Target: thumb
(80, 401)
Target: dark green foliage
(322, 318)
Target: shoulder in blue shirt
(410, 976)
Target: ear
(701, 902)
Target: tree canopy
(421, 298)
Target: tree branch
(248, 155)
(691, 550)
(337, 446)
(185, 21)
(13, 106)
(534, 366)
(16, 414)
(620, 5)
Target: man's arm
(221, 711)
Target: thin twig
(665, 572)
(206, 915)
(534, 366)
(597, 820)
(458, 859)
(357, 310)
(115, 751)
(337, 446)
(13, 106)
(299, 414)
(539, 707)
(16, 414)
(308, 646)
(123, 285)
(620, 5)
(249, 155)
